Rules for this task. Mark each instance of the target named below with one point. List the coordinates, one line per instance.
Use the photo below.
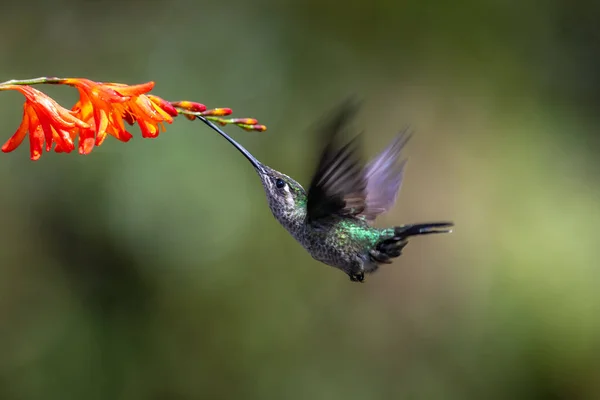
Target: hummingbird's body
(340, 242)
(332, 220)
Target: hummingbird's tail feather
(390, 248)
(406, 231)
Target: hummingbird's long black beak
(255, 163)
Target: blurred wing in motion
(338, 186)
(384, 177)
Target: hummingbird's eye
(280, 183)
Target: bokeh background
(154, 270)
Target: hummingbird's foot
(357, 277)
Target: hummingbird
(333, 219)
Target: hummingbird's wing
(384, 177)
(338, 186)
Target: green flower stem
(34, 81)
(223, 121)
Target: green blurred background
(154, 270)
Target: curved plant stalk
(102, 110)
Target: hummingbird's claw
(358, 277)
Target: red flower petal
(17, 138)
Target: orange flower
(102, 109)
(148, 114)
(104, 106)
(45, 120)
(165, 105)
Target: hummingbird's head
(285, 196)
